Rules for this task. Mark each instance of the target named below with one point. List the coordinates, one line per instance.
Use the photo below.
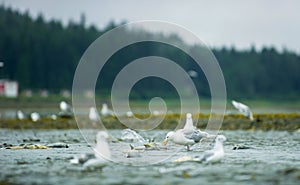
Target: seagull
(53, 117)
(189, 122)
(93, 115)
(20, 115)
(183, 137)
(105, 111)
(156, 113)
(193, 73)
(187, 136)
(35, 116)
(81, 159)
(64, 106)
(190, 126)
(214, 155)
(101, 154)
(65, 110)
(134, 151)
(244, 109)
(131, 135)
(129, 114)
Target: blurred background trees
(44, 55)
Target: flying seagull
(244, 109)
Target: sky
(217, 23)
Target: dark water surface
(273, 159)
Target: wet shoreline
(272, 159)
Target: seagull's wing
(242, 108)
(205, 155)
(95, 163)
(192, 134)
(187, 132)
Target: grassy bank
(265, 122)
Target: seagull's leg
(188, 148)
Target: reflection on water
(273, 159)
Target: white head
(104, 106)
(220, 138)
(102, 136)
(188, 116)
(168, 136)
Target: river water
(274, 158)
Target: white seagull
(193, 73)
(187, 136)
(105, 110)
(35, 116)
(129, 114)
(64, 106)
(244, 109)
(65, 110)
(214, 155)
(20, 115)
(189, 122)
(93, 115)
(101, 155)
(189, 125)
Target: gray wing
(204, 156)
(193, 135)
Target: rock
(58, 145)
(241, 147)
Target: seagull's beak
(165, 142)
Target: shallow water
(273, 159)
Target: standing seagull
(64, 106)
(189, 122)
(101, 151)
(101, 154)
(65, 110)
(20, 115)
(214, 155)
(93, 115)
(190, 126)
(105, 111)
(187, 136)
(244, 109)
(35, 116)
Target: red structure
(9, 88)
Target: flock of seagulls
(190, 135)
(66, 112)
(187, 136)
(214, 155)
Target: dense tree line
(44, 55)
